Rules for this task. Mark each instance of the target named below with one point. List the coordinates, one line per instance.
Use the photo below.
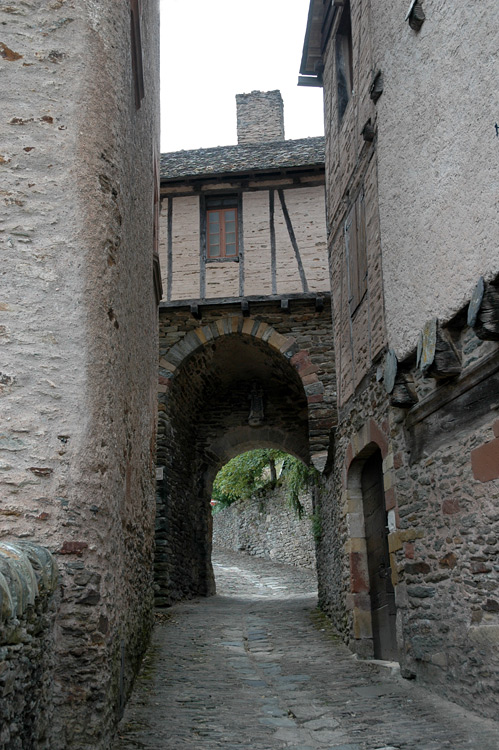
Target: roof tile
(239, 159)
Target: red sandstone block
(359, 577)
(315, 399)
(299, 357)
(485, 461)
(323, 424)
(362, 601)
(495, 427)
(307, 369)
(409, 550)
(378, 437)
(307, 379)
(390, 499)
(398, 460)
(73, 548)
(451, 506)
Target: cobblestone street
(257, 667)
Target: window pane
(213, 217)
(230, 238)
(214, 251)
(230, 216)
(230, 249)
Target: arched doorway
(373, 595)
(381, 591)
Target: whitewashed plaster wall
(437, 158)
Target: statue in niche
(256, 415)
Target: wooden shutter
(356, 251)
(137, 67)
(158, 287)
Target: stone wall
(445, 471)
(440, 464)
(266, 526)
(78, 322)
(351, 176)
(436, 431)
(260, 117)
(28, 602)
(438, 207)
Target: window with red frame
(221, 228)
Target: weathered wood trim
(240, 228)
(169, 251)
(266, 178)
(254, 298)
(273, 261)
(294, 243)
(243, 186)
(444, 394)
(202, 246)
(136, 52)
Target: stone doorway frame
(363, 445)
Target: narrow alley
(257, 666)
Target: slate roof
(258, 157)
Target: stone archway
(206, 382)
(259, 330)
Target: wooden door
(378, 558)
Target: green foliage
(243, 475)
(316, 527)
(296, 477)
(255, 470)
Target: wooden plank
(484, 369)
(308, 297)
(136, 52)
(241, 243)
(202, 246)
(435, 423)
(169, 250)
(273, 256)
(294, 243)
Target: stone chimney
(260, 117)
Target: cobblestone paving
(258, 667)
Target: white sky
(212, 50)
